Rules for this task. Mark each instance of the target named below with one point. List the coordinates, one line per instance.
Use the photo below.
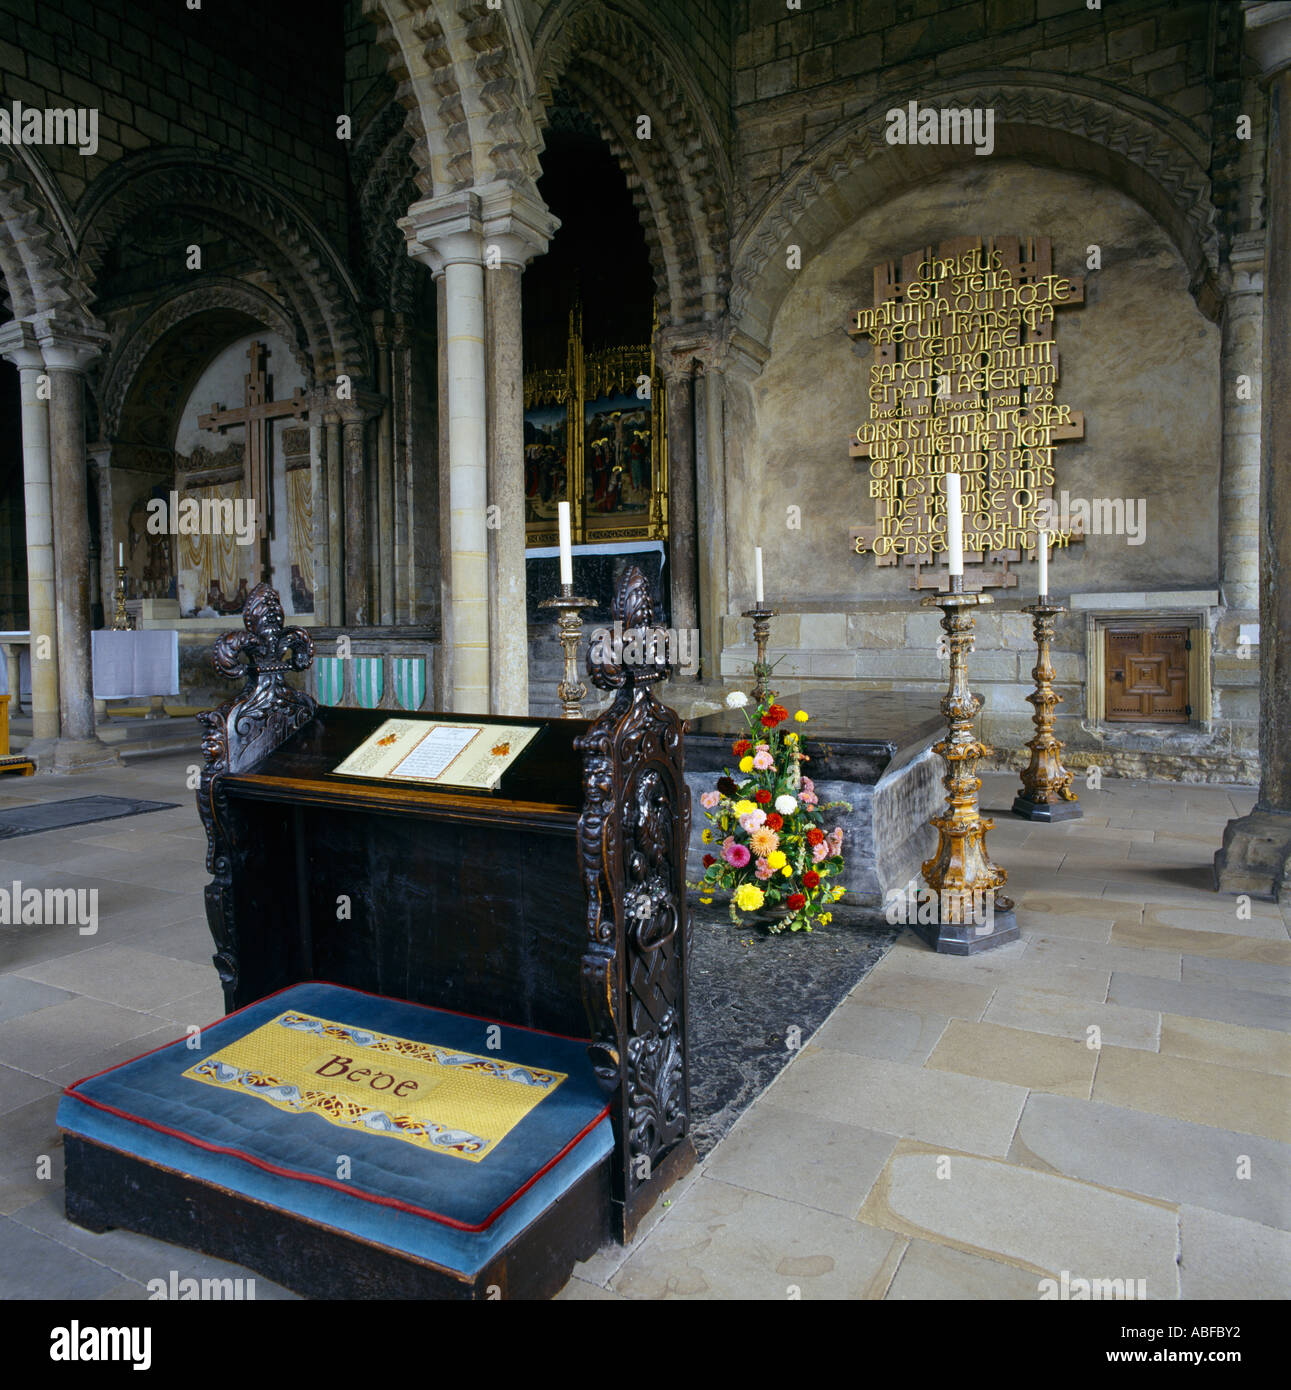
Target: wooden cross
(256, 413)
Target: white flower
(786, 804)
(737, 699)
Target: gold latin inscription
(963, 380)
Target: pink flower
(763, 761)
(820, 851)
(737, 856)
(709, 800)
(808, 785)
(808, 798)
(753, 820)
(835, 838)
(763, 869)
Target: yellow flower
(802, 716)
(746, 764)
(824, 919)
(791, 738)
(724, 823)
(776, 860)
(838, 893)
(706, 901)
(787, 871)
(748, 897)
(742, 808)
(707, 837)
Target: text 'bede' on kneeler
(474, 995)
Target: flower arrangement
(768, 825)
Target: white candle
(121, 554)
(954, 524)
(566, 555)
(1042, 554)
(757, 570)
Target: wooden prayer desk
(510, 964)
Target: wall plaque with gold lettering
(964, 381)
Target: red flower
(778, 713)
(709, 861)
(811, 879)
(742, 747)
(727, 787)
(795, 901)
(815, 835)
(775, 821)
(763, 798)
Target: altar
(870, 748)
(128, 665)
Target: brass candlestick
(761, 633)
(1046, 793)
(570, 630)
(121, 620)
(971, 913)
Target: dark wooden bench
(556, 905)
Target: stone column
(335, 520)
(1256, 857)
(68, 350)
(359, 599)
(1239, 564)
(675, 350)
(514, 233)
(318, 486)
(385, 536)
(450, 233)
(18, 344)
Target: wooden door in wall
(1146, 674)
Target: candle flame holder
(761, 635)
(971, 914)
(1046, 793)
(569, 628)
(121, 620)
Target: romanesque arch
(238, 301)
(304, 268)
(618, 70)
(1047, 118)
(36, 238)
(463, 73)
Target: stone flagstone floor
(949, 1133)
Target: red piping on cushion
(332, 1183)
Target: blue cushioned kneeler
(433, 1206)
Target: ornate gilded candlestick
(761, 633)
(121, 620)
(1046, 793)
(971, 914)
(570, 630)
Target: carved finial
(639, 653)
(265, 646)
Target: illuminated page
(447, 754)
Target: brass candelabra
(761, 634)
(121, 620)
(1046, 793)
(569, 628)
(971, 914)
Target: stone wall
(260, 81)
